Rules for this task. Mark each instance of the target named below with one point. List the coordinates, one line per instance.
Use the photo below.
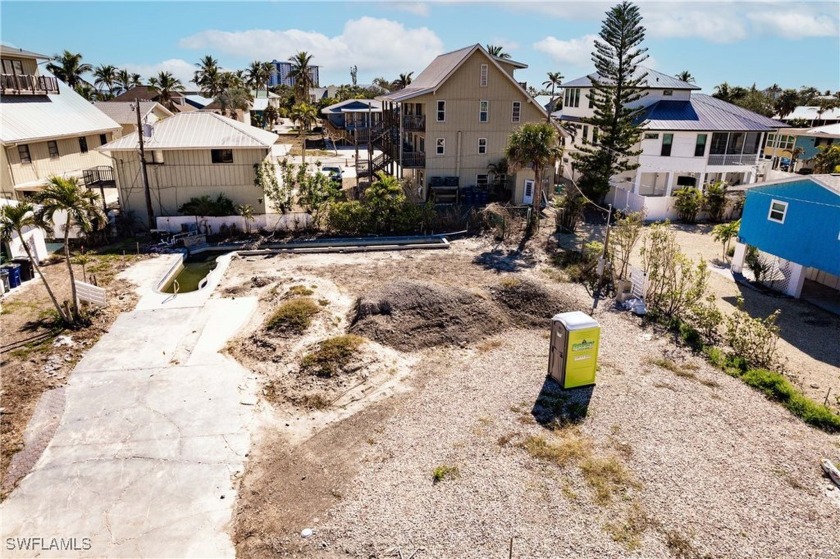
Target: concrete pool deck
(155, 429)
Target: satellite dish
(147, 130)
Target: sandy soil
(37, 356)
(702, 458)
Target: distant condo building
(280, 74)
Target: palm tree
(301, 73)
(723, 92)
(685, 76)
(233, 100)
(498, 51)
(827, 160)
(125, 80)
(166, 86)
(807, 94)
(534, 145)
(304, 114)
(794, 155)
(787, 102)
(823, 105)
(402, 82)
(13, 220)
(207, 76)
(105, 75)
(554, 80)
(66, 195)
(382, 83)
(68, 67)
(252, 75)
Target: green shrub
(348, 218)
(443, 472)
(777, 387)
(753, 339)
(569, 210)
(715, 356)
(714, 201)
(757, 264)
(331, 356)
(706, 319)
(293, 316)
(688, 203)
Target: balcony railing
(27, 84)
(733, 159)
(413, 159)
(414, 123)
(102, 175)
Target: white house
(689, 139)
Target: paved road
(154, 430)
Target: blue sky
(785, 42)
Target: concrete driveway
(154, 431)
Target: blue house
(795, 224)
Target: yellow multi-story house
(47, 129)
(446, 130)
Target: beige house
(454, 121)
(47, 129)
(189, 155)
(124, 113)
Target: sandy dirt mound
(411, 315)
(529, 303)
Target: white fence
(86, 292)
(627, 201)
(210, 225)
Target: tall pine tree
(617, 84)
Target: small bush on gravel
(753, 339)
(300, 291)
(571, 447)
(606, 476)
(630, 531)
(332, 355)
(293, 316)
(778, 388)
(444, 472)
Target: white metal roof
(827, 130)
(197, 130)
(123, 111)
(828, 181)
(812, 113)
(29, 118)
(6, 50)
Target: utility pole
(149, 211)
(370, 142)
(602, 264)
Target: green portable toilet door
(582, 357)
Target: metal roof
(353, 105)
(811, 113)
(827, 130)
(6, 50)
(653, 80)
(703, 112)
(828, 181)
(123, 111)
(25, 118)
(197, 130)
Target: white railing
(86, 292)
(733, 159)
(626, 200)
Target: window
(483, 111)
(53, 147)
(778, 210)
(83, 144)
(700, 146)
(591, 97)
(651, 136)
(668, 93)
(571, 97)
(441, 111)
(13, 67)
(667, 140)
(103, 139)
(482, 181)
(23, 153)
(585, 137)
(595, 136)
(516, 114)
(482, 146)
(221, 155)
(440, 146)
(482, 80)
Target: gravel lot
(709, 467)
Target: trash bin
(4, 280)
(573, 354)
(14, 274)
(26, 268)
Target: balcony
(27, 84)
(733, 159)
(101, 176)
(414, 123)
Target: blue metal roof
(703, 112)
(653, 80)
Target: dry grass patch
(569, 447)
(489, 345)
(332, 355)
(293, 316)
(300, 291)
(629, 531)
(606, 476)
(681, 547)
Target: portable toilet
(573, 354)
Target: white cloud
(416, 8)
(179, 68)
(573, 52)
(376, 45)
(795, 25)
(721, 25)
